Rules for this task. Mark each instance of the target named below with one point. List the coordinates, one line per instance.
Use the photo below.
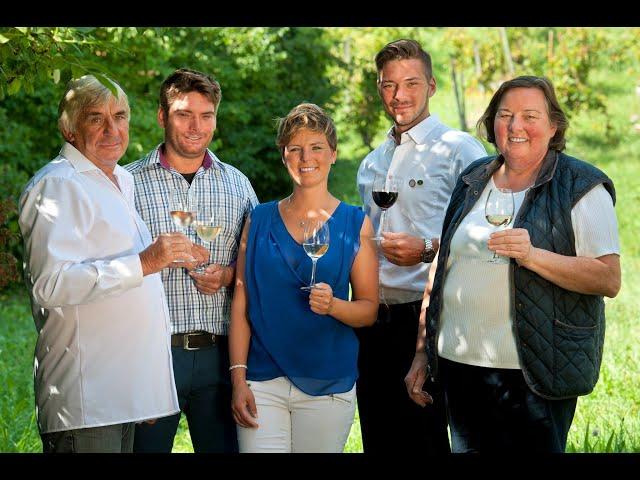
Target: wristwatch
(428, 254)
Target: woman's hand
(243, 406)
(513, 243)
(321, 299)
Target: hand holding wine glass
(499, 210)
(315, 244)
(384, 193)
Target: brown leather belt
(195, 340)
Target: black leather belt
(195, 340)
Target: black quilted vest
(559, 334)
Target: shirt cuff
(130, 269)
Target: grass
(607, 420)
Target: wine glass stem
(495, 254)
(383, 218)
(313, 272)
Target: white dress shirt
(429, 159)
(103, 353)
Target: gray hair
(82, 93)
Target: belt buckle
(185, 341)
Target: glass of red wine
(385, 194)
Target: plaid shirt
(219, 188)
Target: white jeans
(290, 421)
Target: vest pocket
(576, 359)
(573, 328)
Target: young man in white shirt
(103, 358)
(426, 157)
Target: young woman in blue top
(294, 352)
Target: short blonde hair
(82, 93)
(308, 116)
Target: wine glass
(315, 244)
(385, 194)
(183, 210)
(499, 211)
(207, 228)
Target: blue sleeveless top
(317, 353)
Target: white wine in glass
(182, 219)
(207, 231)
(183, 209)
(499, 211)
(315, 244)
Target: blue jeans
(110, 439)
(204, 394)
(494, 410)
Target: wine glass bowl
(207, 228)
(499, 210)
(183, 210)
(384, 193)
(315, 245)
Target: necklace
(289, 209)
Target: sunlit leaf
(14, 86)
(107, 83)
(56, 75)
(3, 39)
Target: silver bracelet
(239, 365)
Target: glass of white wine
(499, 211)
(315, 244)
(207, 228)
(183, 209)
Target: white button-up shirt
(103, 353)
(429, 159)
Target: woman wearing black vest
(516, 342)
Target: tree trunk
(459, 95)
(507, 50)
(478, 64)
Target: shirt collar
(207, 162)
(418, 133)
(82, 163)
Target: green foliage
(18, 430)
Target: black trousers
(493, 410)
(390, 421)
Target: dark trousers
(109, 439)
(204, 393)
(493, 410)
(390, 421)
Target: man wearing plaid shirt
(199, 304)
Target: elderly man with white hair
(103, 354)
